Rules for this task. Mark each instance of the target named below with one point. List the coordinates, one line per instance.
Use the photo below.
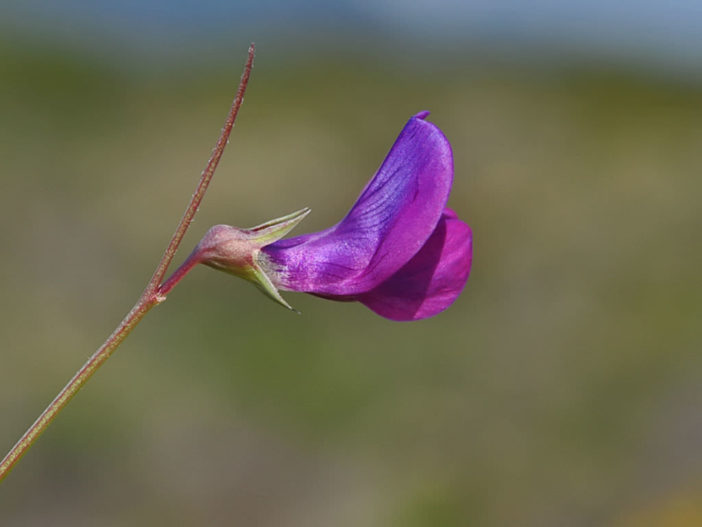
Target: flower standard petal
(389, 223)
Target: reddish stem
(205, 178)
(184, 268)
(152, 295)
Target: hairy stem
(153, 294)
(205, 179)
(76, 383)
(183, 269)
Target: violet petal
(389, 223)
(432, 280)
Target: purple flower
(399, 250)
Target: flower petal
(389, 223)
(432, 280)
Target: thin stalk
(177, 275)
(153, 294)
(205, 178)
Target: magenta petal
(389, 223)
(432, 280)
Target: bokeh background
(564, 387)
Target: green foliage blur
(562, 388)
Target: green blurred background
(564, 387)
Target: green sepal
(273, 230)
(236, 251)
(260, 278)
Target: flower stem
(153, 294)
(177, 275)
(76, 383)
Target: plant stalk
(153, 294)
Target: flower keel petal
(432, 280)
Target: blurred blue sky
(647, 32)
